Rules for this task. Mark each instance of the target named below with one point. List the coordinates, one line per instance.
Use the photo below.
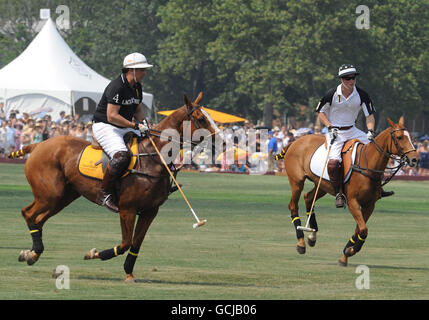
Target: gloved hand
(333, 134)
(142, 127)
(370, 135)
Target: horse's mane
(175, 115)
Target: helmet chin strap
(134, 73)
(348, 87)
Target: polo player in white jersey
(338, 111)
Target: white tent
(47, 77)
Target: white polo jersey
(341, 111)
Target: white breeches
(110, 137)
(343, 136)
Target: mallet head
(199, 224)
(306, 229)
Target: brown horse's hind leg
(143, 223)
(36, 215)
(356, 242)
(309, 197)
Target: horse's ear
(401, 121)
(392, 124)
(187, 101)
(198, 99)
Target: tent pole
(73, 111)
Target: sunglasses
(349, 78)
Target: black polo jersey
(119, 92)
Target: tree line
(257, 59)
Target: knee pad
(120, 161)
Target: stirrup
(109, 203)
(339, 204)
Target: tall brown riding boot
(386, 193)
(114, 170)
(106, 195)
(336, 177)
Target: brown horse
(362, 189)
(53, 175)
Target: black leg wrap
(130, 261)
(297, 222)
(111, 253)
(359, 243)
(36, 235)
(350, 243)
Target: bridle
(189, 116)
(388, 154)
(157, 133)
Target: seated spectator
(80, 131)
(64, 128)
(423, 151)
(27, 136)
(18, 132)
(61, 118)
(54, 131)
(38, 132)
(25, 118)
(10, 135)
(89, 131)
(3, 136)
(243, 168)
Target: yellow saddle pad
(91, 161)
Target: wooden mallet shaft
(199, 222)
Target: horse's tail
(20, 153)
(282, 154)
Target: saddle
(92, 161)
(348, 154)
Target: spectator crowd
(18, 130)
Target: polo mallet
(199, 222)
(307, 228)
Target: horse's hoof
(311, 240)
(27, 255)
(22, 255)
(31, 261)
(301, 250)
(130, 279)
(311, 243)
(90, 254)
(342, 263)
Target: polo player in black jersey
(113, 118)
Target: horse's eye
(202, 120)
(400, 137)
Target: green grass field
(245, 251)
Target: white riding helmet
(347, 69)
(136, 60)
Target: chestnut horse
(53, 175)
(362, 189)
